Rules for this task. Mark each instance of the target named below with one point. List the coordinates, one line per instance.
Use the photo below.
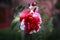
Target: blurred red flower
(31, 21)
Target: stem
(31, 37)
(22, 35)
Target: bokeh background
(9, 26)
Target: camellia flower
(30, 19)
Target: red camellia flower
(30, 20)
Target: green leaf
(15, 22)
